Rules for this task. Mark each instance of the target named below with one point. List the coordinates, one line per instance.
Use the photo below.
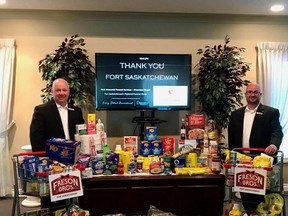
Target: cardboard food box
(131, 144)
(168, 144)
(63, 151)
(195, 127)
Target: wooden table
(133, 194)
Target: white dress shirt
(63, 111)
(249, 116)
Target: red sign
(250, 180)
(65, 185)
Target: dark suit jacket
(266, 128)
(46, 123)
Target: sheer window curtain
(7, 54)
(272, 75)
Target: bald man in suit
(55, 118)
(254, 126)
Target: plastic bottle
(183, 130)
(120, 167)
(99, 126)
(126, 161)
(106, 150)
(119, 151)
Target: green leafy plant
(71, 62)
(219, 80)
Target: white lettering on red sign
(250, 179)
(65, 184)
(196, 120)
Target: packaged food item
(156, 147)
(166, 160)
(195, 126)
(168, 144)
(183, 152)
(191, 160)
(216, 165)
(155, 165)
(213, 147)
(197, 171)
(178, 162)
(262, 161)
(98, 166)
(131, 144)
(235, 210)
(151, 133)
(132, 166)
(145, 148)
(64, 151)
(91, 123)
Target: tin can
(233, 157)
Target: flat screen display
(143, 81)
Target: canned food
(233, 157)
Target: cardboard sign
(250, 180)
(65, 185)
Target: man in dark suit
(55, 118)
(254, 126)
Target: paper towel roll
(96, 140)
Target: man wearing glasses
(255, 126)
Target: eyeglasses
(252, 92)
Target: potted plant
(219, 81)
(71, 62)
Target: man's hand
(271, 149)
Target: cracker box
(131, 144)
(151, 133)
(64, 151)
(182, 144)
(156, 147)
(168, 144)
(145, 148)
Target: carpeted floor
(6, 205)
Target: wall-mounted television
(130, 81)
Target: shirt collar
(253, 110)
(59, 106)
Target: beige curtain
(7, 55)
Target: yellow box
(91, 125)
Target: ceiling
(239, 7)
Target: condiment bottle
(216, 165)
(183, 130)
